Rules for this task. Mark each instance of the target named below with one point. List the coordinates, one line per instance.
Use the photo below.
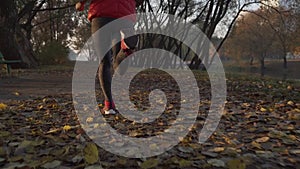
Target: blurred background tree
(28, 25)
(268, 32)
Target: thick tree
(13, 42)
(19, 18)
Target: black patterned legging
(108, 40)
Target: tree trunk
(262, 66)
(25, 49)
(284, 57)
(13, 42)
(284, 62)
(251, 60)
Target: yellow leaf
(227, 140)
(91, 155)
(291, 103)
(89, 120)
(236, 164)
(263, 109)
(122, 161)
(217, 149)
(4, 134)
(292, 137)
(153, 146)
(3, 106)
(255, 144)
(153, 162)
(67, 128)
(262, 139)
(293, 115)
(184, 163)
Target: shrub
(53, 53)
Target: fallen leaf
(67, 128)
(3, 106)
(291, 103)
(263, 109)
(153, 146)
(94, 167)
(27, 145)
(16, 158)
(185, 149)
(217, 149)
(262, 139)
(2, 152)
(150, 163)
(297, 151)
(266, 154)
(57, 152)
(77, 159)
(230, 151)
(14, 165)
(53, 164)
(184, 163)
(255, 145)
(89, 119)
(53, 131)
(91, 154)
(236, 164)
(216, 162)
(122, 161)
(293, 115)
(4, 134)
(209, 154)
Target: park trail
(33, 84)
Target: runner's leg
(103, 42)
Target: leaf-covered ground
(260, 128)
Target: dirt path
(32, 84)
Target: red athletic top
(112, 9)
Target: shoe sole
(110, 112)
